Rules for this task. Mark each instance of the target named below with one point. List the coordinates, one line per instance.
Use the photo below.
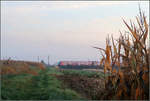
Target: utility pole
(48, 60)
(0, 45)
(38, 59)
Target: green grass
(52, 70)
(76, 72)
(41, 87)
(44, 86)
(83, 73)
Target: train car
(78, 64)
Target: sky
(62, 30)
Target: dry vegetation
(19, 67)
(130, 54)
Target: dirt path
(90, 88)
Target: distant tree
(42, 61)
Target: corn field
(130, 54)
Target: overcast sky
(62, 30)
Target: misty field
(130, 54)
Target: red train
(78, 63)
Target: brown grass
(19, 67)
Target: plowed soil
(90, 88)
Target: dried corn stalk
(132, 55)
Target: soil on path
(90, 88)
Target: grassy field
(30, 87)
(48, 83)
(88, 73)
